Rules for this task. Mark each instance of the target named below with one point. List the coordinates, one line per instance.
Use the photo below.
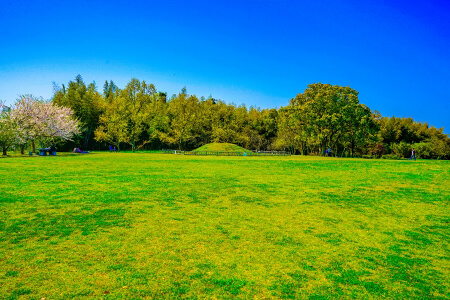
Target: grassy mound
(222, 147)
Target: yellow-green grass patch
(154, 226)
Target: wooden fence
(226, 153)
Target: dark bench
(43, 152)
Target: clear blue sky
(261, 53)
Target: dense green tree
(206, 120)
(138, 96)
(327, 116)
(85, 102)
(128, 112)
(183, 113)
(399, 135)
(359, 131)
(238, 126)
(8, 130)
(291, 135)
(112, 124)
(262, 128)
(157, 120)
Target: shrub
(391, 156)
(379, 150)
(424, 150)
(401, 149)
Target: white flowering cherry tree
(39, 121)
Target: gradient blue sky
(261, 53)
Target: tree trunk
(33, 147)
(22, 149)
(133, 146)
(87, 138)
(4, 150)
(335, 150)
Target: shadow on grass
(44, 227)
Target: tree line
(323, 117)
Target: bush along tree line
(138, 117)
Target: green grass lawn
(155, 226)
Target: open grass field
(154, 226)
